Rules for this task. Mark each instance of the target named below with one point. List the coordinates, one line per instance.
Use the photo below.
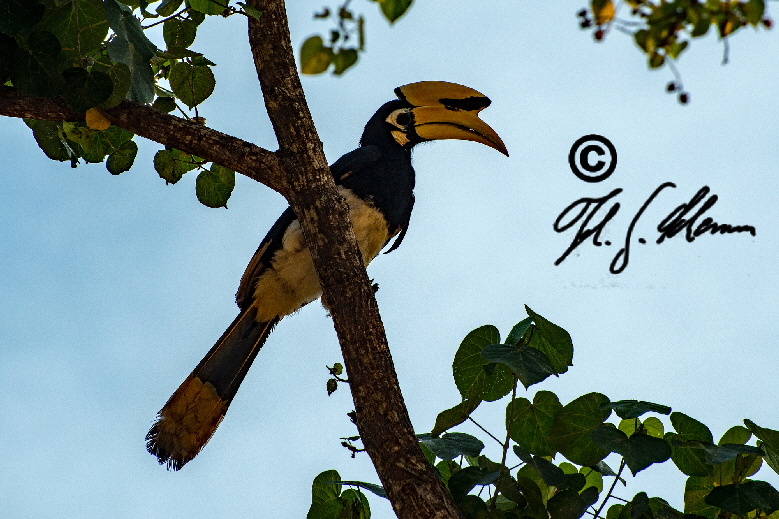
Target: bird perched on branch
(377, 181)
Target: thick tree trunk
(382, 418)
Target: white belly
(291, 281)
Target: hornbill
(377, 181)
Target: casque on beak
(443, 110)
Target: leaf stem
(616, 478)
(165, 19)
(486, 431)
(509, 425)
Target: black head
(431, 110)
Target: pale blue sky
(112, 288)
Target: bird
(377, 182)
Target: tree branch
(382, 418)
(213, 146)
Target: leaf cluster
(93, 54)
(553, 455)
(663, 29)
(346, 39)
(330, 501)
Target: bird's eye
(400, 119)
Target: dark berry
(670, 87)
(768, 23)
(684, 98)
(585, 24)
(599, 34)
(582, 13)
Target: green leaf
(94, 145)
(533, 423)
(122, 159)
(47, 136)
(464, 480)
(209, 6)
(322, 489)
(593, 478)
(17, 15)
(192, 85)
(214, 186)
(614, 511)
(553, 341)
(474, 376)
(179, 34)
(532, 492)
(314, 56)
(639, 451)
(701, 26)
(770, 439)
(518, 331)
(121, 80)
(550, 473)
(742, 499)
(85, 90)
(695, 490)
(131, 47)
(662, 510)
(573, 426)
(200, 60)
(653, 427)
(677, 48)
(355, 504)
(250, 11)
(716, 454)
(656, 60)
(641, 38)
(34, 70)
(736, 434)
(508, 487)
(569, 504)
(634, 408)
(639, 505)
(472, 507)
(327, 510)
(168, 7)
(753, 11)
(172, 164)
(451, 445)
(80, 26)
(394, 9)
(629, 426)
(454, 416)
(343, 60)
(530, 365)
(690, 461)
(8, 53)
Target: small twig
(509, 425)
(616, 478)
(144, 27)
(486, 431)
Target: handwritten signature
(584, 210)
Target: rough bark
(382, 418)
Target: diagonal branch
(382, 418)
(213, 146)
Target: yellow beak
(449, 111)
